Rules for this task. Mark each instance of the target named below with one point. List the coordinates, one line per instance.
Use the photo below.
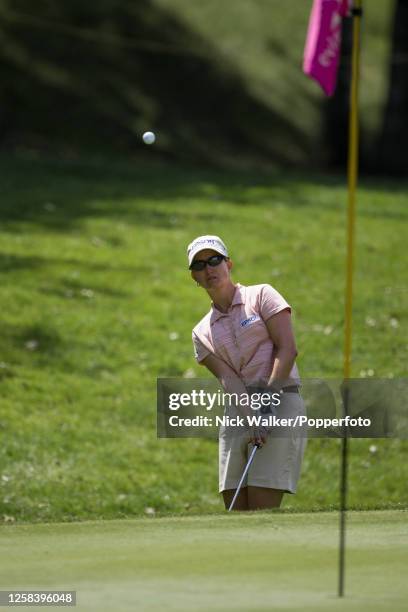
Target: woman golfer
(246, 341)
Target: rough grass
(97, 303)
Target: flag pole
(352, 174)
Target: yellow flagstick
(352, 185)
(352, 180)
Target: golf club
(248, 465)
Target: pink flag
(322, 49)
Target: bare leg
(261, 498)
(241, 503)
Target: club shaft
(248, 465)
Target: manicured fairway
(258, 561)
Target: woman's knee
(262, 498)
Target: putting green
(248, 562)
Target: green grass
(257, 561)
(94, 286)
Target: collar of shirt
(239, 298)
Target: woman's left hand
(258, 435)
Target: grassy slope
(93, 285)
(89, 95)
(265, 40)
(251, 562)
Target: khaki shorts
(276, 465)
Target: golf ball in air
(149, 138)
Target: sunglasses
(199, 264)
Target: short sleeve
(200, 351)
(271, 302)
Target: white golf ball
(149, 138)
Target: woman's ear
(229, 264)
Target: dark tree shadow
(391, 156)
(138, 67)
(335, 136)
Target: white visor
(205, 242)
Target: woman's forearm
(233, 384)
(229, 380)
(284, 360)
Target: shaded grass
(94, 287)
(265, 40)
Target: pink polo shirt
(240, 337)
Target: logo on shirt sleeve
(250, 320)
